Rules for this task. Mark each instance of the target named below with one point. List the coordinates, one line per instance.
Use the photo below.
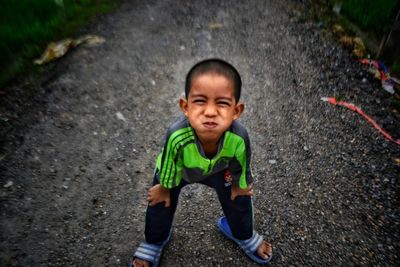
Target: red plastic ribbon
(354, 108)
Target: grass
(27, 26)
(395, 70)
(371, 15)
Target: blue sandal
(150, 252)
(249, 246)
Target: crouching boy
(209, 146)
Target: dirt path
(326, 182)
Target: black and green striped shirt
(183, 157)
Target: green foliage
(395, 69)
(371, 15)
(28, 25)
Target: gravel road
(75, 172)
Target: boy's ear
(238, 110)
(183, 104)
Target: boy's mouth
(210, 124)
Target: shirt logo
(227, 178)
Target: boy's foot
(255, 248)
(264, 250)
(140, 263)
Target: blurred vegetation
(371, 15)
(28, 25)
(369, 19)
(395, 70)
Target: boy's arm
(169, 163)
(167, 166)
(158, 194)
(240, 168)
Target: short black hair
(215, 66)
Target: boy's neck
(210, 149)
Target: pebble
(8, 184)
(120, 116)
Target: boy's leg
(239, 212)
(159, 218)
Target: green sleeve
(169, 162)
(240, 164)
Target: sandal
(249, 246)
(150, 252)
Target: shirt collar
(200, 147)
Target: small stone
(120, 116)
(272, 161)
(8, 184)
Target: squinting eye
(199, 101)
(225, 104)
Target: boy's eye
(224, 104)
(199, 101)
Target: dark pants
(239, 212)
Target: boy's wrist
(163, 188)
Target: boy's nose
(210, 110)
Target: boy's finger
(233, 195)
(246, 193)
(167, 203)
(150, 192)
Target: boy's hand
(158, 194)
(237, 191)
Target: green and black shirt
(183, 157)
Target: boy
(211, 147)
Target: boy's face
(211, 106)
